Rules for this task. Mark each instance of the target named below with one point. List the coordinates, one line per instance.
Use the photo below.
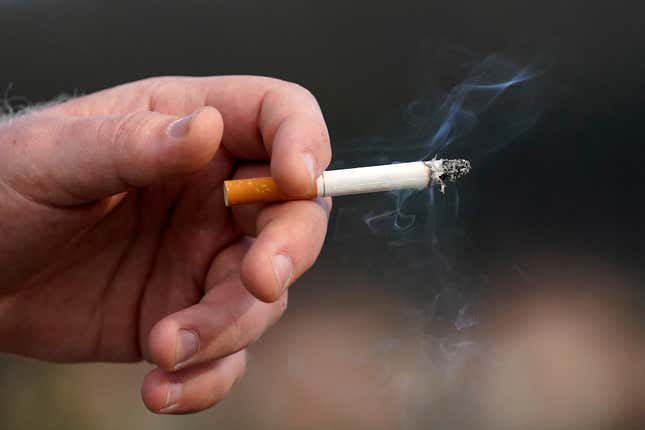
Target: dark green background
(365, 61)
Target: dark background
(573, 182)
(567, 194)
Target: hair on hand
(12, 107)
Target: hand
(116, 244)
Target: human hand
(116, 244)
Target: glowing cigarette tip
(447, 170)
(361, 180)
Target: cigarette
(343, 182)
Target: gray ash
(455, 169)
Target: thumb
(77, 160)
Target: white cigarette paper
(361, 180)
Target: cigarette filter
(342, 182)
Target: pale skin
(116, 244)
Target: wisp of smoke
(497, 101)
(414, 239)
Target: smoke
(413, 242)
(494, 101)
(465, 105)
(487, 109)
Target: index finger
(269, 118)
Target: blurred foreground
(570, 356)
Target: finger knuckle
(277, 86)
(301, 90)
(157, 90)
(234, 331)
(124, 130)
(152, 81)
(128, 133)
(176, 95)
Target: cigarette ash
(455, 169)
(451, 170)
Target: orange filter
(258, 190)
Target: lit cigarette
(343, 182)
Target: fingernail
(310, 162)
(179, 128)
(283, 269)
(187, 345)
(173, 395)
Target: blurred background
(515, 300)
